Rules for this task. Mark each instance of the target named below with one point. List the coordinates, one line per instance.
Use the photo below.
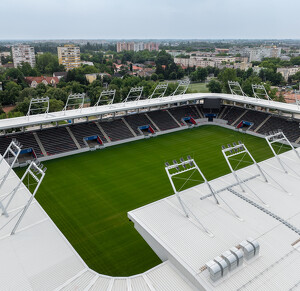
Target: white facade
(257, 54)
(23, 54)
(286, 72)
(138, 46)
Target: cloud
(45, 19)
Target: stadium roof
(133, 105)
(274, 225)
(38, 256)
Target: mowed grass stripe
(88, 195)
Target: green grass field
(88, 195)
(198, 88)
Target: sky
(149, 19)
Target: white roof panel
(189, 245)
(133, 105)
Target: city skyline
(134, 19)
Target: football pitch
(88, 195)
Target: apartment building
(23, 54)
(286, 72)
(69, 56)
(137, 46)
(257, 54)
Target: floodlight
(134, 94)
(182, 160)
(38, 105)
(239, 149)
(173, 174)
(279, 137)
(159, 91)
(106, 97)
(236, 88)
(74, 100)
(11, 154)
(260, 92)
(181, 88)
(175, 163)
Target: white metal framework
(11, 156)
(184, 166)
(181, 88)
(231, 152)
(106, 97)
(75, 101)
(39, 119)
(31, 179)
(260, 92)
(236, 89)
(38, 106)
(134, 94)
(279, 138)
(159, 91)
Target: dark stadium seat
(136, 120)
(184, 111)
(86, 129)
(56, 140)
(26, 139)
(232, 114)
(254, 116)
(289, 127)
(162, 119)
(116, 129)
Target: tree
(247, 84)
(202, 74)
(58, 94)
(226, 75)
(41, 89)
(55, 105)
(11, 93)
(28, 71)
(154, 77)
(173, 76)
(214, 86)
(47, 63)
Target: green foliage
(226, 75)
(28, 71)
(247, 84)
(214, 86)
(154, 77)
(47, 63)
(270, 75)
(58, 94)
(55, 105)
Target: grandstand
(121, 127)
(257, 213)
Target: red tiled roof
(49, 80)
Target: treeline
(14, 94)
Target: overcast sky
(128, 19)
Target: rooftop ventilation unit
(255, 245)
(231, 260)
(238, 254)
(250, 248)
(215, 270)
(223, 264)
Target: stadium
(183, 192)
